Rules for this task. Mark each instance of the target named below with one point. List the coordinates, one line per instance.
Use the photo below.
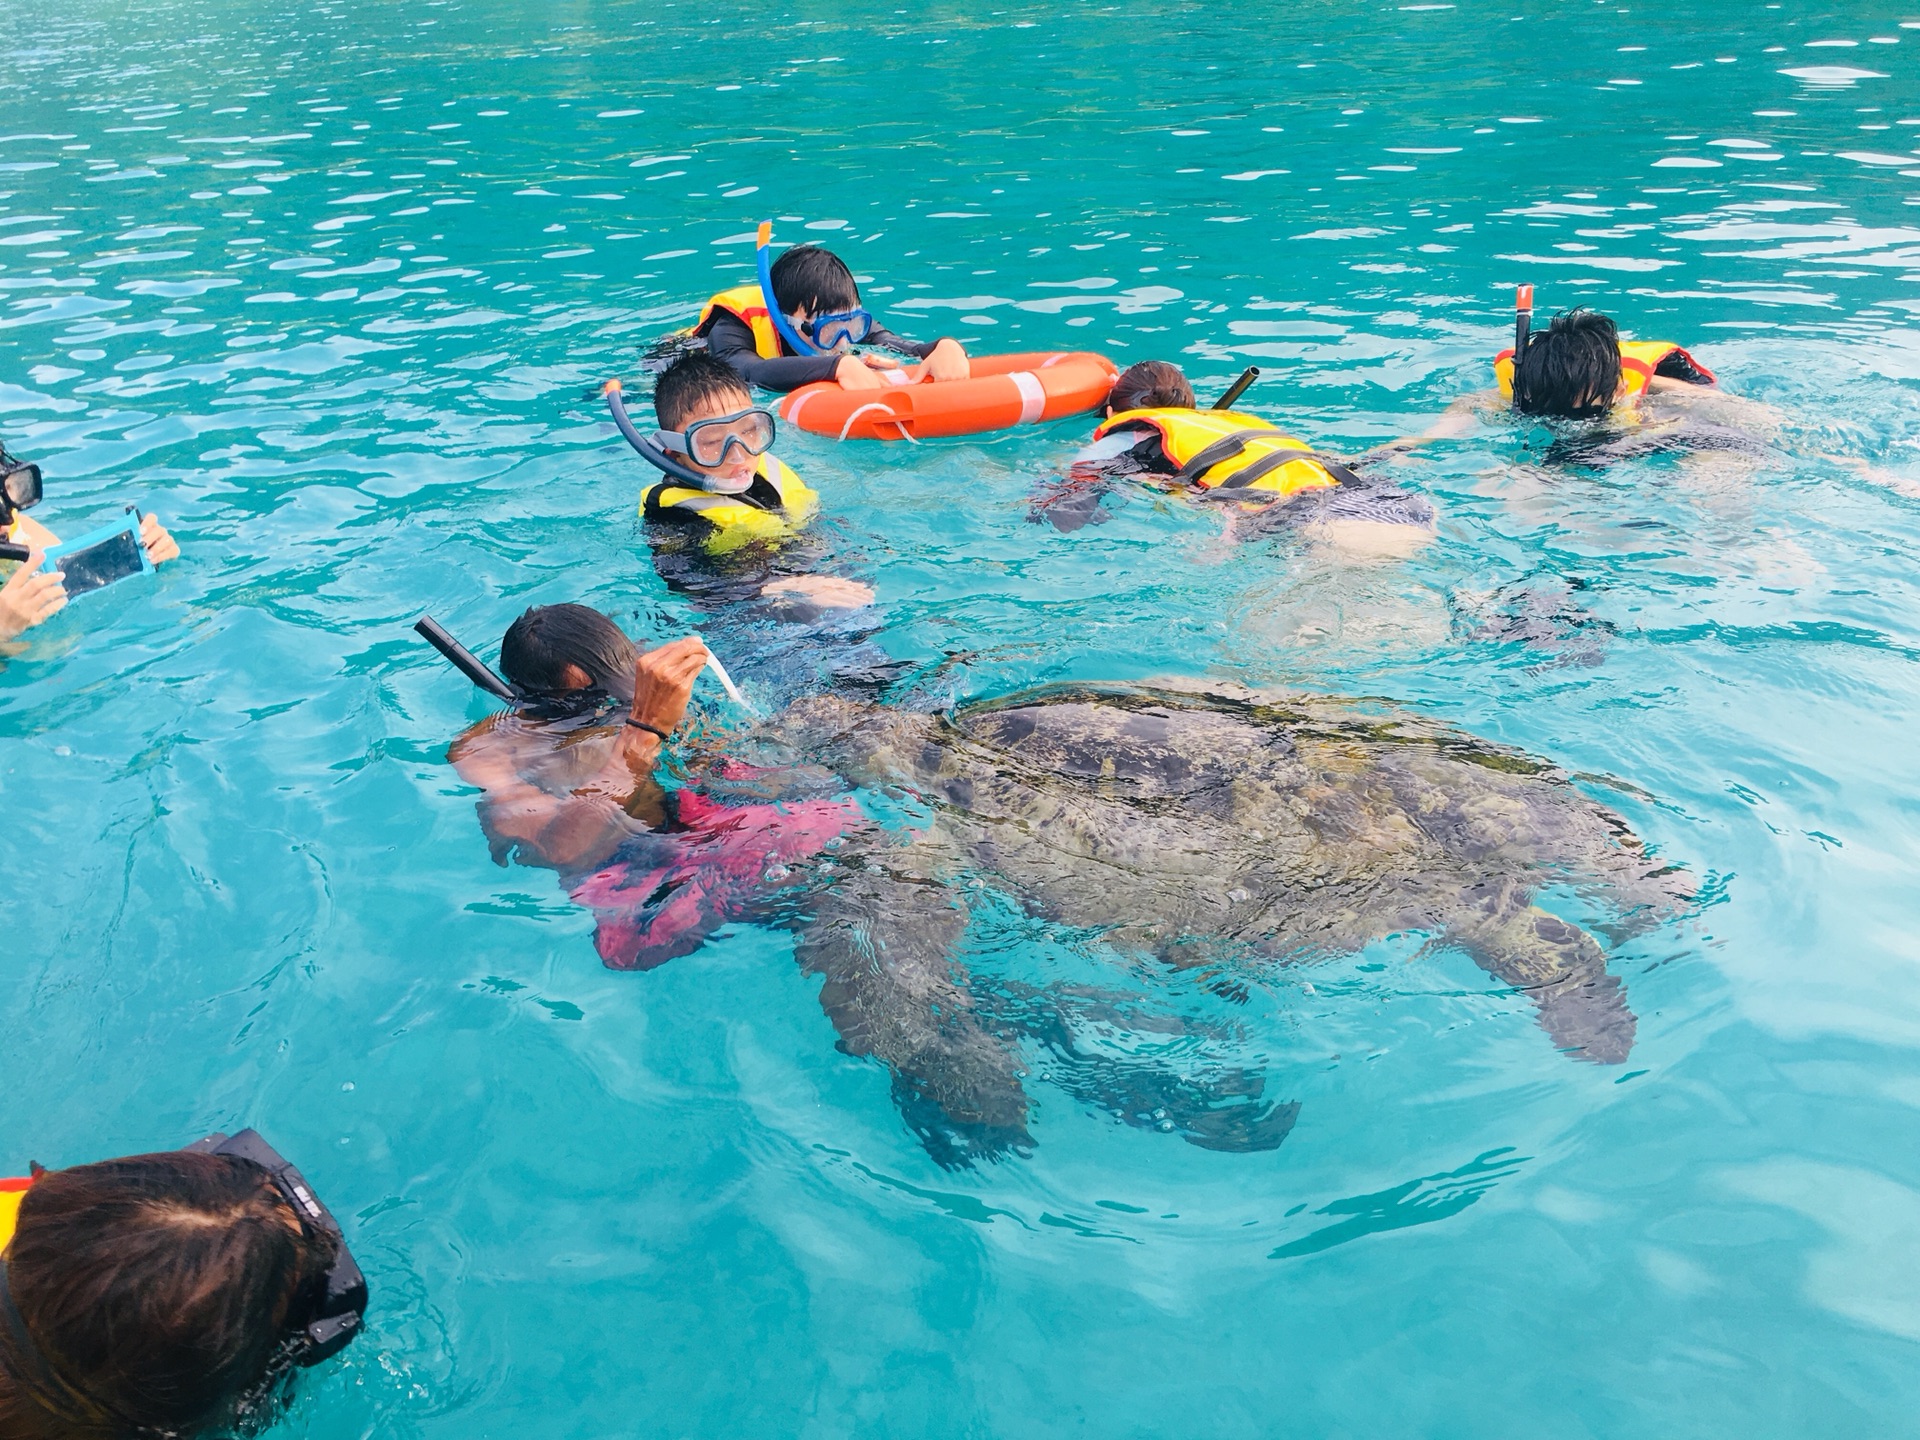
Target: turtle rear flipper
(883, 943)
(1563, 970)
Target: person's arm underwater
(581, 826)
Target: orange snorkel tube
(1522, 321)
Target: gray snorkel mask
(654, 448)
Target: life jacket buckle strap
(1219, 451)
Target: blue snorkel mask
(842, 327)
(822, 335)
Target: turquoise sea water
(326, 285)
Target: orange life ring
(1003, 390)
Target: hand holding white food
(663, 683)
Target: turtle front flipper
(883, 941)
(1563, 970)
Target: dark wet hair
(690, 382)
(810, 278)
(1573, 369)
(1151, 385)
(153, 1296)
(543, 642)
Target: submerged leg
(1560, 967)
(883, 942)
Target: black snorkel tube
(1522, 332)
(1238, 388)
(534, 704)
(465, 661)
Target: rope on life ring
(863, 409)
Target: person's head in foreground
(1150, 385)
(708, 421)
(562, 650)
(552, 649)
(817, 293)
(168, 1295)
(1572, 369)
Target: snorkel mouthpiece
(763, 258)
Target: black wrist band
(650, 729)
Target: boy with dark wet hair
(725, 528)
(1154, 427)
(820, 299)
(1579, 368)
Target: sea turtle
(1200, 825)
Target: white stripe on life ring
(896, 377)
(1033, 395)
(879, 405)
(794, 407)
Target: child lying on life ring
(800, 323)
(1154, 430)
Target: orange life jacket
(747, 305)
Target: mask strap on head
(650, 449)
(763, 257)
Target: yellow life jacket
(747, 305)
(12, 1192)
(777, 503)
(1226, 450)
(1639, 360)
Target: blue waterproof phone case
(100, 557)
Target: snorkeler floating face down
(1572, 370)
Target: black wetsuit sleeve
(730, 340)
(1148, 456)
(886, 340)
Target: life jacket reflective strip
(736, 520)
(747, 305)
(12, 1192)
(1639, 359)
(1226, 450)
